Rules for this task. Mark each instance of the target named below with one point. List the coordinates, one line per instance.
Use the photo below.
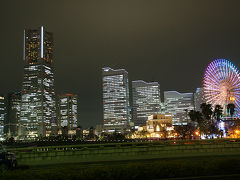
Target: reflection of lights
(232, 98)
(237, 131)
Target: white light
(24, 36)
(222, 126)
(41, 41)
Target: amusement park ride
(221, 86)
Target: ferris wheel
(221, 84)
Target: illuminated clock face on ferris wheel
(221, 84)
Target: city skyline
(176, 59)
(123, 89)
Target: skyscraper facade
(2, 116)
(146, 101)
(67, 112)
(198, 99)
(178, 104)
(116, 112)
(38, 95)
(13, 114)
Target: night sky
(169, 41)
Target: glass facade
(198, 99)
(38, 109)
(178, 104)
(67, 111)
(2, 116)
(13, 114)
(146, 101)
(115, 100)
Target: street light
(237, 131)
(197, 133)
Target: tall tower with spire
(38, 110)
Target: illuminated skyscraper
(2, 116)
(67, 112)
(38, 96)
(178, 104)
(13, 114)
(146, 101)
(115, 100)
(198, 99)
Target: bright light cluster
(221, 84)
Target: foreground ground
(208, 159)
(208, 167)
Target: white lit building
(38, 109)
(13, 114)
(67, 112)
(146, 101)
(198, 99)
(115, 100)
(2, 116)
(179, 105)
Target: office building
(198, 99)
(146, 101)
(115, 100)
(2, 116)
(67, 112)
(13, 114)
(38, 109)
(178, 104)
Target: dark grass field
(209, 167)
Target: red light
(68, 94)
